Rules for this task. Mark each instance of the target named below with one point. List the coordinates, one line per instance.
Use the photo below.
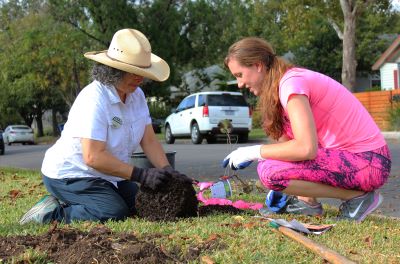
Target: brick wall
(378, 104)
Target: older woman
(327, 143)
(87, 171)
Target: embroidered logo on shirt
(116, 122)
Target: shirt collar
(114, 96)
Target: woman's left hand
(242, 157)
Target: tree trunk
(56, 131)
(349, 67)
(39, 123)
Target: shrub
(394, 113)
(159, 110)
(256, 119)
(394, 118)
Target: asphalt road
(203, 162)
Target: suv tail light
(250, 111)
(205, 111)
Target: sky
(396, 4)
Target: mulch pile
(100, 245)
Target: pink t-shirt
(341, 120)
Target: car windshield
(225, 100)
(21, 127)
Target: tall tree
(41, 60)
(342, 16)
(350, 12)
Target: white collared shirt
(99, 114)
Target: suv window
(225, 100)
(21, 127)
(186, 103)
(190, 102)
(202, 100)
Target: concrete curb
(385, 216)
(391, 135)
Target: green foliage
(374, 88)
(159, 110)
(258, 133)
(256, 118)
(40, 66)
(42, 42)
(394, 117)
(376, 30)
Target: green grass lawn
(242, 239)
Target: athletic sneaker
(296, 206)
(36, 214)
(358, 208)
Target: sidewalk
(391, 135)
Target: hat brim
(158, 71)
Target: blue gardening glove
(275, 201)
(150, 177)
(176, 174)
(242, 157)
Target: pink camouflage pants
(365, 171)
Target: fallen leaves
(14, 194)
(368, 241)
(207, 260)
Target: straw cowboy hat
(130, 51)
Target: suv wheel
(197, 138)
(169, 138)
(243, 138)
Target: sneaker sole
(28, 214)
(377, 202)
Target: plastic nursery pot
(221, 189)
(139, 159)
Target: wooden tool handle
(324, 252)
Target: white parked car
(18, 134)
(199, 115)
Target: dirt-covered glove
(242, 157)
(150, 177)
(177, 175)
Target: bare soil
(100, 245)
(176, 199)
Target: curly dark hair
(107, 75)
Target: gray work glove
(150, 177)
(177, 175)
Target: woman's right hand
(150, 177)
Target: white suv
(199, 114)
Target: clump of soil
(74, 246)
(176, 199)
